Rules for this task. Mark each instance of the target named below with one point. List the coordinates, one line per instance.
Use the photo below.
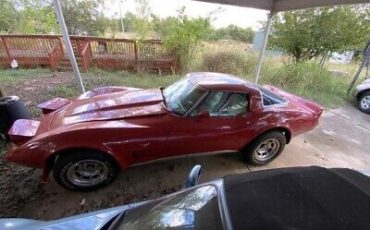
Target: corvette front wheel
(265, 148)
(84, 170)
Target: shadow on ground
(134, 184)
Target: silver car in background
(362, 94)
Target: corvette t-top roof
(218, 81)
(299, 198)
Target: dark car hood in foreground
(89, 221)
(299, 198)
(111, 106)
(288, 198)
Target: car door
(220, 122)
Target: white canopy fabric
(284, 5)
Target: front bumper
(29, 154)
(9, 155)
(17, 155)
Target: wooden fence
(112, 54)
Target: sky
(226, 15)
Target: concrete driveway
(341, 140)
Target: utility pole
(68, 45)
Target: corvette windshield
(181, 96)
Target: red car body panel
(134, 125)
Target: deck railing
(105, 53)
(55, 55)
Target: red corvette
(87, 141)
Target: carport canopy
(275, 6)
(284, 5)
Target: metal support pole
(68, 45)
(120, 15)
(264, 44)
(365, 62)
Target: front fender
(98, 136)
(361, 89)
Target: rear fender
(286, 131)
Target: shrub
(237, 63)
(308, 80)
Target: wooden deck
(111, 54)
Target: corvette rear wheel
(265, 148)
(364, 102)
(84, 170)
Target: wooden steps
(65, 65)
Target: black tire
(11, 109)
(275, 138)
(361, 103)
(66, 163)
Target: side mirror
(193, 177)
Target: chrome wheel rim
(365, 102)
(87, 173)
(267, 149)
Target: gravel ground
(20, 184)
(17, 185)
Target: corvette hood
(112, 106)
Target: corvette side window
(235, 105)
(219, 103)
(212, 103)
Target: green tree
(128, 22)
(84, 16)
(141, 24)
(8, 16)
(36, 17)
(306, 34)
(182, 35)
(234, 32)
(142, 27)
